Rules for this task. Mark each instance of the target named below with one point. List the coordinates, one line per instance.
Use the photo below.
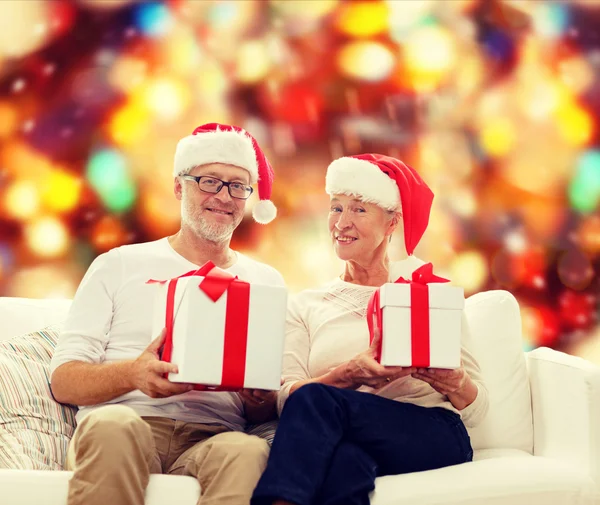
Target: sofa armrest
(565, 395)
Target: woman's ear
(396, 217)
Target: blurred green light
(108, 175)
(584, 191)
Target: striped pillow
(34, 429)
(265, 430)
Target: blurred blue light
(551, 19)
(153, 19)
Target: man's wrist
(128, 374)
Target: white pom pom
(264, 211)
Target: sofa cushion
(495, 323)
(495, 477)
(51, 488)
(34, 429)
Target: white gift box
(199, 333)
(446, 305)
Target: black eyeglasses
(213, 185)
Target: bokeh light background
(496, 103)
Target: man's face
(213, 217)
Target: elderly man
(132, 421)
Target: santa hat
(217, 143)
(387, 182)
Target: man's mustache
(219, 206)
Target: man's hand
(259, 405)
(147, 373)
(258, 396)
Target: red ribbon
(215, 283)
(419, 314)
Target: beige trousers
(114, 451)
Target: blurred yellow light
(464, 202)
(8, 119)
(438, 244)
(212, 81)
(129, 124)
(469, 270)
(24, 27)
(531, 324)
(462, 5)
(47, 281)
(253, 61)
(182, 51)
(587, 348)
(539, 94)
(47, 237)
(304, 9)
(497, 136)
(430, 49)
(128, 73)
(429, 54)
(589, 234)
(168, 98)
(404, 15)
(160, 210)
(365, 60)
(472, 74)
(61, 191)
(575, 124)
(444, 155)
(22, 200)
(363, 18)
(577, 74)
(541, 162)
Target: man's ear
(177, 189)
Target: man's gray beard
(214, 232)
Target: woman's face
(359, 230)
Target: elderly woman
(347, 419)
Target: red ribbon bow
(215, 283)
(419, 314)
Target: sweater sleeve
(474, 413)
(296, 350)
(84, 335)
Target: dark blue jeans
(332, 443)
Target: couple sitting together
(344, 418)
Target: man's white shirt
(110, 320)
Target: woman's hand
(364, 370)
(456, 384)
(444, 381)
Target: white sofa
(539, 445)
